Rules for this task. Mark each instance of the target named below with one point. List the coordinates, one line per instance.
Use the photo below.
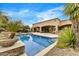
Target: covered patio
(51, 26)
(46, 29)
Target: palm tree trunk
(75, 30)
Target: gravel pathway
(62, 52)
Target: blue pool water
(35, 43)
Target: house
(51, 26)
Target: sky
(31, 13)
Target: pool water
(34, 43)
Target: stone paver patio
(62, 52)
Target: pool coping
(46, 50)
(45, 35)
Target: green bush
(13, 26)
(67, 39)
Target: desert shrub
(67, 39)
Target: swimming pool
(35, 43)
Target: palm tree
(3, 18)
(13, 26)
(72, 10)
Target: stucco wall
(51, 22)
(47, 23)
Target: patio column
(33, 29)
(40, 29)
(56, 28)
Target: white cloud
(16, 13)
(23, 12)
(9, 13)
(50, 14)
(59, 8)
(46, 16)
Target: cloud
(58, 8)
(50, 14)
(16, 13)
(23, 12)
(46, 15)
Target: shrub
(67, 39)
(13, 26)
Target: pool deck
(16, 49)
(45, 34)
(63, 52)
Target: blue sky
(31, 13)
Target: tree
(3, 20)
(26, 28)
(13, 26)
(72, 10)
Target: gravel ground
(62, 52)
